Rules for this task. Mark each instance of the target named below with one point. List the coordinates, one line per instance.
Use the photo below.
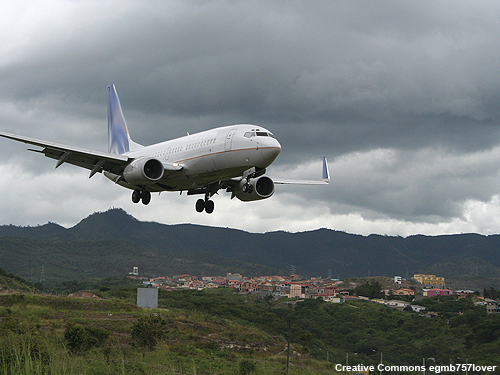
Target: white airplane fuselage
(213, 155)
(232, 157)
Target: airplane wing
(325, 178)
(94, 160)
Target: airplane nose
(270, 150)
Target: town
(395, 292)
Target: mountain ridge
(313, 253)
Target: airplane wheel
(136, 196)
(146, 197)
(209, 207)
(200, 205)
(250, 189)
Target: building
(296, 291)
(399, 292)
(417, 308)
(437, 292)
(492, 307)
(429, 281)
(248, 286)
(398, 279)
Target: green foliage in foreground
(217, 332)
(362, 330)
(62, 335)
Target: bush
(80, 338)
(246, 367)
(148, 330)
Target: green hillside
(111, 243)
(217, 332)
(10, 282)
(62, 335)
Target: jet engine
(257, 188)
(143, 171)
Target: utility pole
(288, 346)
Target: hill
(112, 242)
(10, 282)
(215, 331)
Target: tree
(370, 290)
(148, 330)
(80, 338)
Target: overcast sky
(402, 97)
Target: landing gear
(200, 205)
(143, 195)
(247, 188)
(209, 207)
(205, 205)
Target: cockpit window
(258, 133)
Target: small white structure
(398, 279)
(147, 297)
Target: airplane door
(229, 139)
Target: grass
(32, 329)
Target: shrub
(80, 338)
(148, 330)
(246, 367)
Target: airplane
(232, 157)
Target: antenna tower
(42, 274)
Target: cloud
(401, 97)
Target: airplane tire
(136, 196)
(146, 197)
(209, 207)
(200, 205)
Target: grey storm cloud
(401, 96)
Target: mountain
(112, 242)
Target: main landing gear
(143, 195)
(205, 205)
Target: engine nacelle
(258, 188)
(143, 171)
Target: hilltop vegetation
(111, 243)
(11, 282)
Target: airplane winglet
(325, 178)
(326, 171)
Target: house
(418, 308)
(397, 304)
(437, 292)
(430, 281)
(296, 291)
(233, 284)
(399, 292)
(492, 307)
(335, 299)
(248, 286)
(83, 294)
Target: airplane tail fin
(119, 141)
